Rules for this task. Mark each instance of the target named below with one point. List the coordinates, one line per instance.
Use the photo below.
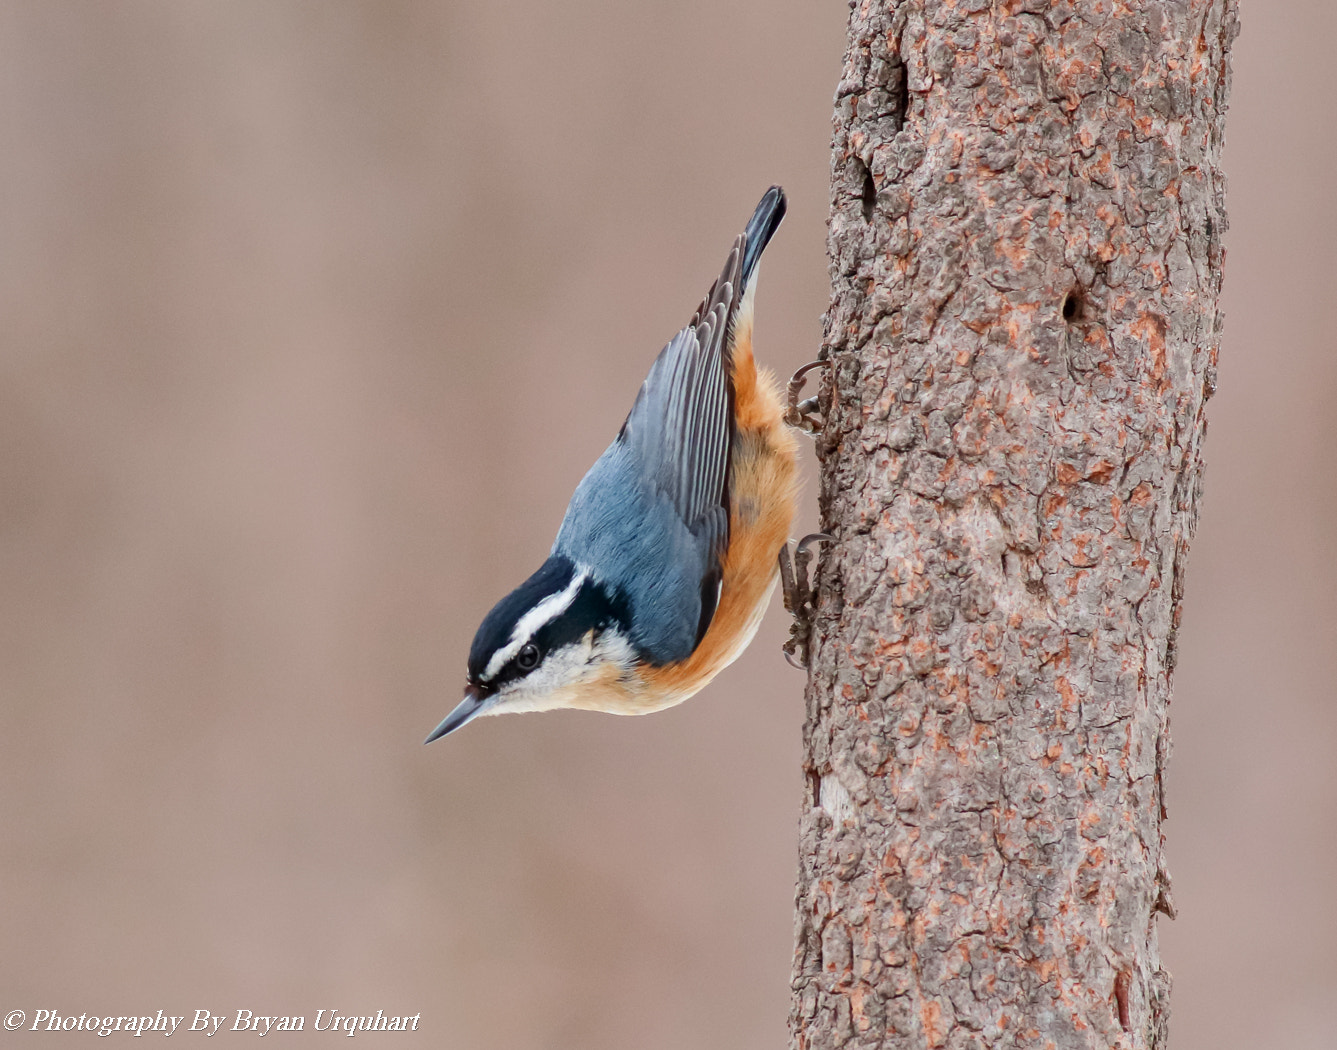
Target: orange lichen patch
(1152, 328)
(913, 589)
(1125, 753)
(1067, 474)
(1104, 165)
(862, 1022)
(958, 146)
(935, 1026)
(1016, 251)
(1082, 557)
(1099, 471)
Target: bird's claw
(799, 596)
(803, 415)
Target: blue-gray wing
(652, 514)
(680, 429)
(651, 518)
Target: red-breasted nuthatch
(668, 553)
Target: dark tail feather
(764, 222)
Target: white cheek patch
(559, 679)
(531, 622)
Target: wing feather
(679, 429)
(652, 515)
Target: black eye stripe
(593, 607)
(498, 627)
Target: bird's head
(552, 642)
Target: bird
(669, 550)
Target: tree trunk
(1025, 242)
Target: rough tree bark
(1026, 219)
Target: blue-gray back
(631, 533)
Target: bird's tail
(765, 220)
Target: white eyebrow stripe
(540, 616)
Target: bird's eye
(528, 657)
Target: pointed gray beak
(465, 711)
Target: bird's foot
(803, 415)
(799, 596)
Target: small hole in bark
(869, 195)
(1072, 305)
(903, 95)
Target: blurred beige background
(313, 315)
